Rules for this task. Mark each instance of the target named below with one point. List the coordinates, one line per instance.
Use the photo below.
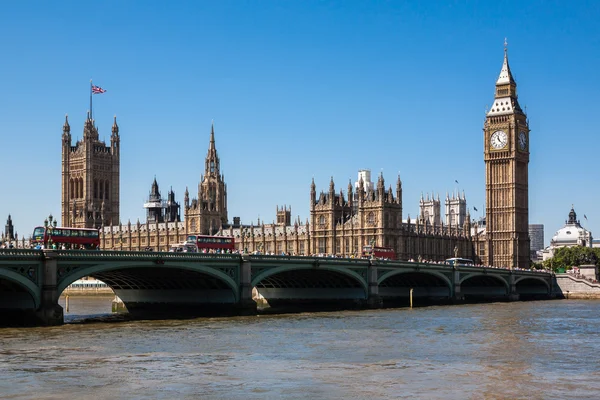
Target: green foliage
(568, 257)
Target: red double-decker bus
(67, 238)
(206, 244)
(385, 253)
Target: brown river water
(522, 350)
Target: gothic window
(301, 250)
(452, 217)
(81, 188)
(72, 188)
(322, 245)
(212, 166)
(338, 247)
(322, 221)
(106, 191)
(101, 190)
(371, 218)
(347, 251)
(193, 226)
(279, 247)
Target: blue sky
(298, 89)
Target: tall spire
(66, 126)
(212, 158)
(115, 127)
(505, 74)
(505, 98)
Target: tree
(569, 257)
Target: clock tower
(506, 155)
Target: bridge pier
(50, 312)
(373, 298)
(457, 295)
(246, 305)
(513, 295)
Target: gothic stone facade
(204, 215)
(505, 242)
(341, 225)
(90, 178)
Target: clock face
(498, 139)
(522, 141)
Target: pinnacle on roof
(505, 74)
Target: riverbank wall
(88, 287)
(569, 286)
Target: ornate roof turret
(505, 99)
(505, 74)
(154, 192)
(66, 126)
(115, 127)
(572, 217)
(331, 185)
(212, 158)
(399, 190)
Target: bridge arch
(494, 277)
(31, 293)
(282, 269)
(102, 269)
(390, 274)
(532, 278)
(482, 285)
(425, 285)
(306, 286)
(532, 287)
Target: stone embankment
(88, 287)
(569, 286)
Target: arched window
(371, 218)
(452, 217)
(95, 188)
(106, 190)
(81, 188)
(193, 226)
(72, 188)
(322, 220)
(101, 190)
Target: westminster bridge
(169, 285)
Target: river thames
(521, 350)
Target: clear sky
(298, 89)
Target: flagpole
(91, 99)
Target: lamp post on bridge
(50, 224)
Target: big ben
(506, 155)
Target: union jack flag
(97, 89)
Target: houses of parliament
(340, 223)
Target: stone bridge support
(456, 291)
(49, 312)
(246, 305)
(373, 298)
(513, 295)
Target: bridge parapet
(141, 255)
(21, 254)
